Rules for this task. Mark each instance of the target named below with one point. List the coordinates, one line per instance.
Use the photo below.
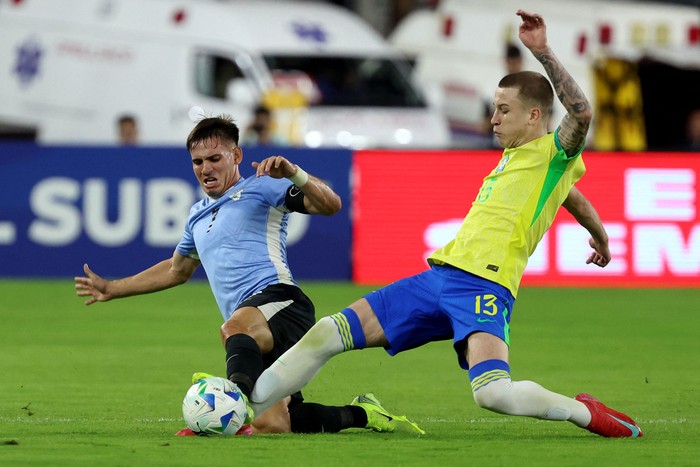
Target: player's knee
(249, 321)
(230, 328)
(260, 333)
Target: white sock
(298, 365)
(532, 400)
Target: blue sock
(488, 371)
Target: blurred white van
(459, 47)
(70, 69)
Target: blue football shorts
(441, 303)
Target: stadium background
(102, 385)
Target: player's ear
(237, 155)
(535, 115)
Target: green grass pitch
(103, 385)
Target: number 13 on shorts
(486, 304)
(486, 309)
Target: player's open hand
(275, 167)
(92, 286)
(532, 31)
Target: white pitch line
(34, 419)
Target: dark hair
(261, 110)
(513, 51)
(126, 118)
(220, 128)
(534, 89)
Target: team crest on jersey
(237, 195)
(502, 165)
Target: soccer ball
(214, 406)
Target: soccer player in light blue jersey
(238, 233)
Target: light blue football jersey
(240, 239)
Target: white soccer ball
(214, 406)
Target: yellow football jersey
(515, 206)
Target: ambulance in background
(605, 45)
(70, 69)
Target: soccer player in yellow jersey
(468, 293)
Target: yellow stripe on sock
(485, 378)
(344, 330)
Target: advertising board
(407, 204)
(123, 209)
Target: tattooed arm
(574, 126)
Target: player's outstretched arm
(574, 126)
(319, 198)
(586, 215)
(163, 275)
